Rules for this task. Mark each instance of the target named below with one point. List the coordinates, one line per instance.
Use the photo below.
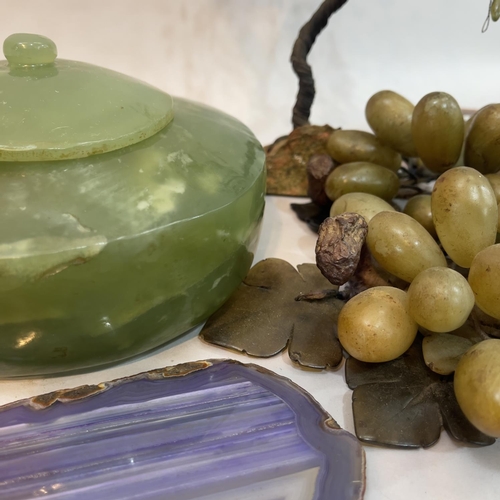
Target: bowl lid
(54, 109)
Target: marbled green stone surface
(104, 257)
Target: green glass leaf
(263, 316)
(487, 324)
(403, 404)
(442, 351)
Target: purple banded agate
(205, 430)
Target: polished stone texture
(202, 430)
(105, 257)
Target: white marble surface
(233, 54)
(447, 471)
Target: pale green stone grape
(419, 207)
(347, 146)
(104, 257)
(465, 213)
(402, 246)
(438, 130)
(494, 180)
(495, 10)
(375, 326)
(477, 386)
(389, 116)
(482, 149)
(484, 279)
(440, 299)
(362, 177)
(364, 204)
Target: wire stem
(301, 48)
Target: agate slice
(202, 430)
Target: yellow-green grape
(484, 279)
(365, 204)
(438, 130)
(495, 10)
(419, 207)
(402, 246)
(389, 116)
(376, 326)
(440, 299)
(468, 124)
(477, 386)
(362, 177)
(482, 144)
(347, 146)
(494, 180)
(465, 213)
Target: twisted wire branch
(302, 46)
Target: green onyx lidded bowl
(126, 216)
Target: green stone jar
(126, 216)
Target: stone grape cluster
(442, 245)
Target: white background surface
(233, 54)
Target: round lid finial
(25, 49)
